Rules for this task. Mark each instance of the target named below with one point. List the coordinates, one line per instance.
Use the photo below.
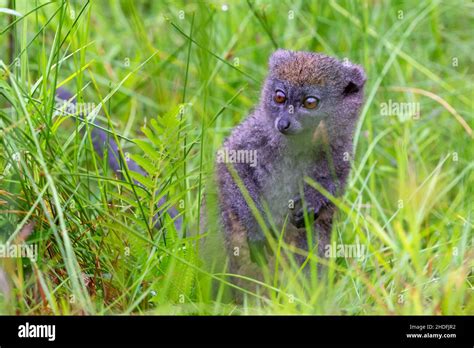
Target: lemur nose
(283, 124)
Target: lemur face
(304, 88)
(294, 108)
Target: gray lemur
(302, 126)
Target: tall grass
(170, 80)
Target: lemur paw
(296, 215)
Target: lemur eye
(310, 102)
(279, 97)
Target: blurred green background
(171, 79)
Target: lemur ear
(278, 57)
(355, 79)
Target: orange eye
(280, 97)
(310, 102)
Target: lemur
(303, 126)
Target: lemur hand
(296, 215)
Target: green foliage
(170, 80)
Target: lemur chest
(283, 182)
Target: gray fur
(318, 144)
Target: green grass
(171, 79)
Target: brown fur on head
(304, 68)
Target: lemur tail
(104, 143)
